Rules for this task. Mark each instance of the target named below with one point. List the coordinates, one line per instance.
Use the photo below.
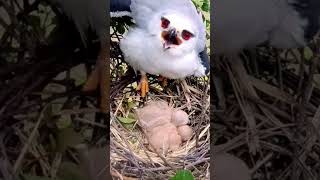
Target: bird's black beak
(172, 35)
(171, 38)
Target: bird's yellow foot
(98, 77)
(143, 86)
(163, 80)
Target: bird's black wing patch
(120, 6)
(309, 10)
(205, 60)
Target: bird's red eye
(186, 35)
(164, 23)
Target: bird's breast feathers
(145, 52)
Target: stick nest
(270, 118)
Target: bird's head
(176, 32)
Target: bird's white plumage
(144, 10)
(247, 23)
(147, 55)
(143, 46)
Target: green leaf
(131, 115)
(127, 120)
(183, 175)
(131, 105)
(128, 126)
(308, 54)
(205, 6)
(68, 137)
(121, 29)
(70, 171)
(34, 20)
(78, 74)
(64, 121)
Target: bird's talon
(143, 86)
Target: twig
(179, 167)
(25, 148)
(259, 164)
(301, 72)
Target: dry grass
(44, 114)
(271, 117)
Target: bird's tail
(309, 10)
(120, 7)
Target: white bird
(168, 40)
(149, 47)
(280, 23)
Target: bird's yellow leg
(143, 86)
(99, 76)
(92, 81)
(104, 66)
(163, 80)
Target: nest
(44, 114)
(268, 114)
(129, 154)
